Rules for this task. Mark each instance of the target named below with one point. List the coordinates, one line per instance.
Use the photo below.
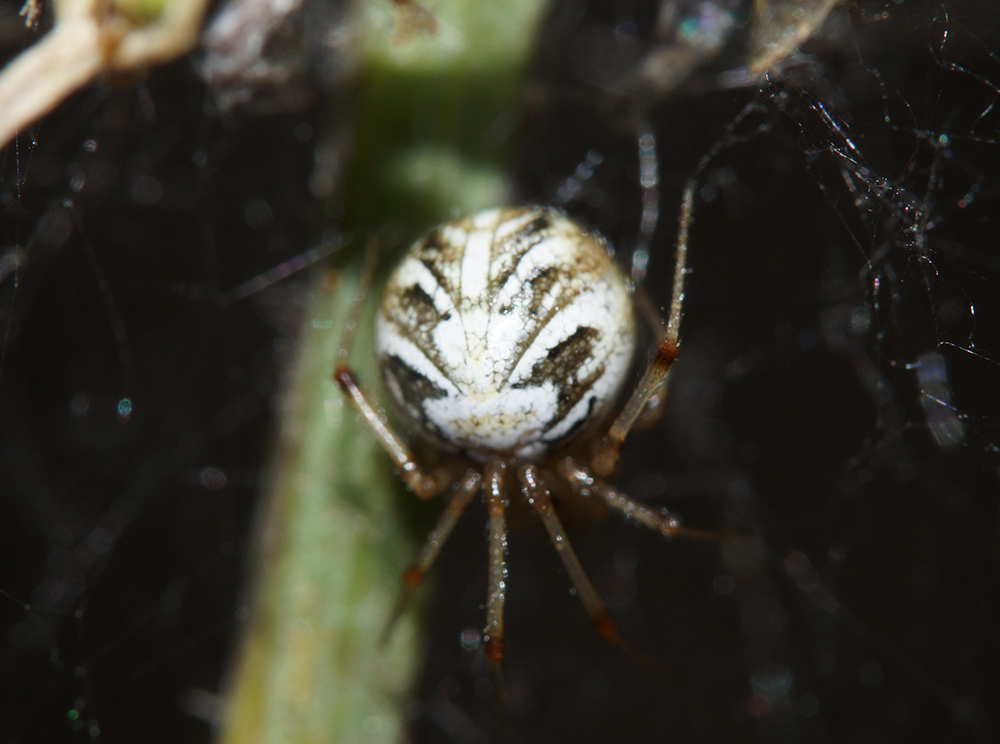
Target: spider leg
(538, 496)
(653, 385)
(666, 523)
(496, 505)
(423, 484)
(649, 180)
(436, 538)
(653, 408)
(654, 379)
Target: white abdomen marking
(507, 333)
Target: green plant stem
(433, 112)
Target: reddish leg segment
(538, 496)
(436, 538)
(421, 483)
(496, 505)
(654, 379)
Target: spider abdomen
(505, 334)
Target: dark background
(847, 229)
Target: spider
(506, 337)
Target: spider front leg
(654, 379)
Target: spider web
(836, 387)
